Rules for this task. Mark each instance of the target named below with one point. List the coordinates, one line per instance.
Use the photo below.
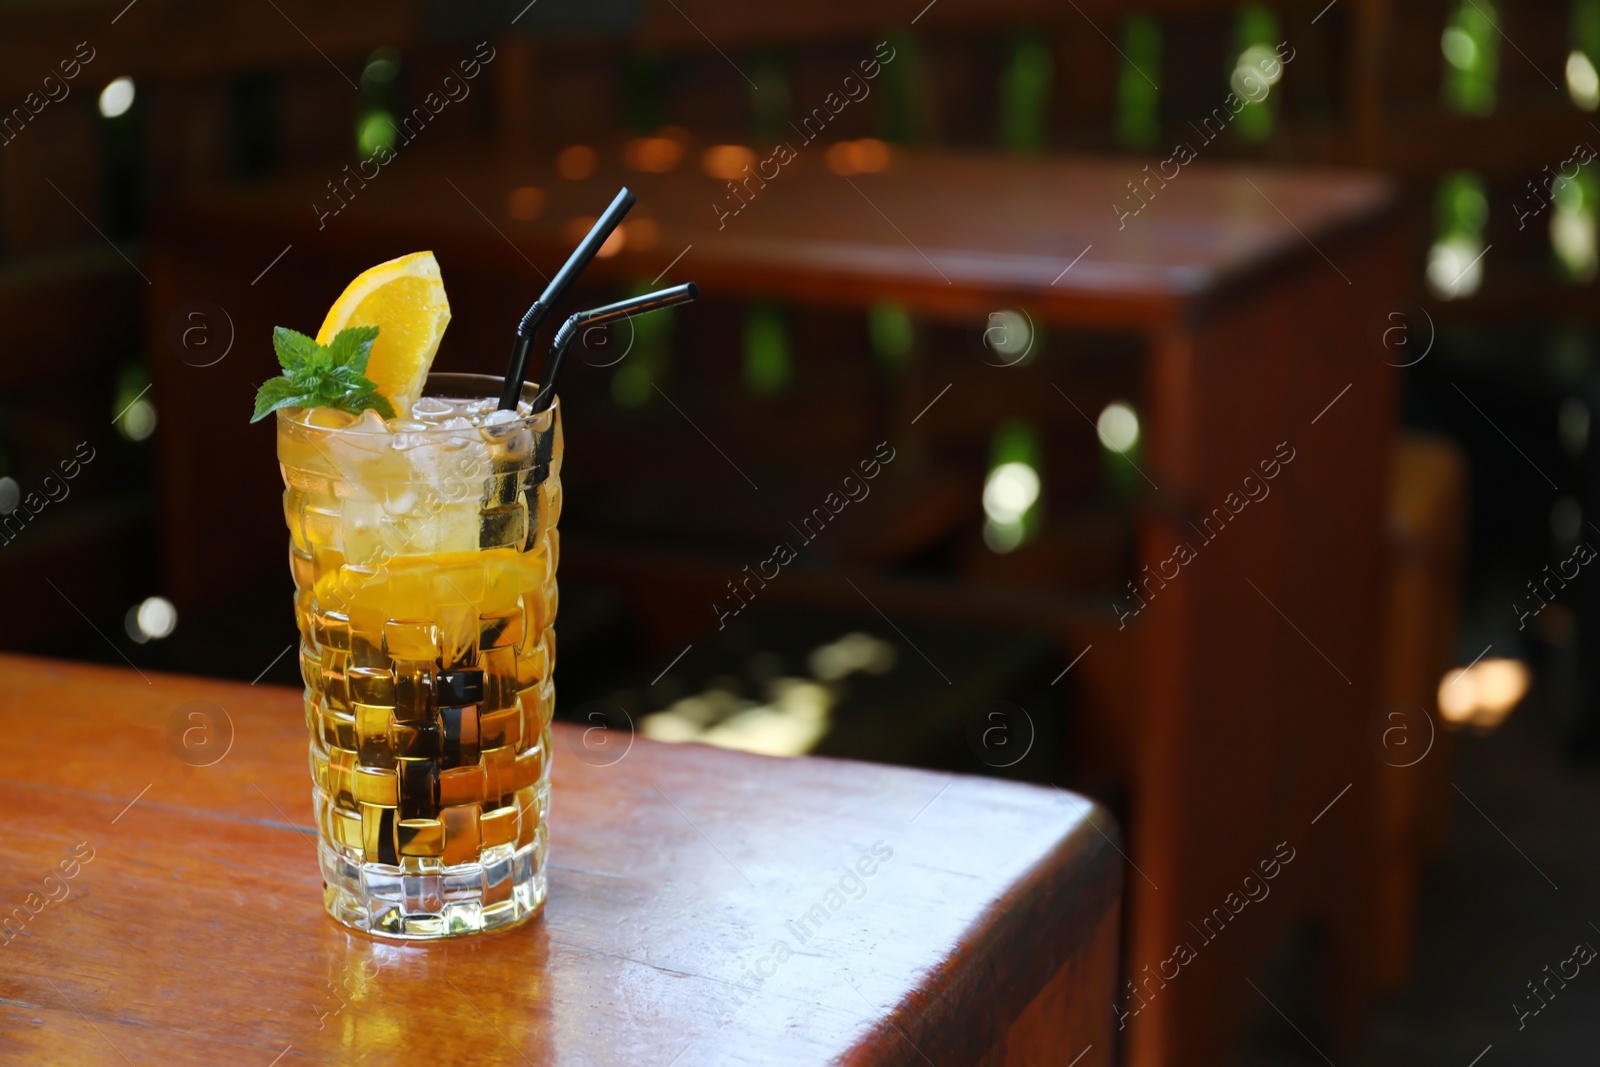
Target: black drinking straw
(540, 310)
(622, 309)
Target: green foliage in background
(1025, 94)
(1461, 206)
(647, 359)
(1572, 226)
(904, 120)
(1138, 121)
(133, 382)
(768, 363)
(892, 334)
(1257, 39)
(1015, 441)
(380, 89)
(1586, 28)
(769, 105)
(1471, 48)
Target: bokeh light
(117, 97)
(525, 203)
(653, 155)
(577, 162)
(727, 161)
(151, 619)
(1482, 695)
(1118, 427)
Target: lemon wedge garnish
(405, 299)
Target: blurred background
(1002, 303)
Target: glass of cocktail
(424, 556)
(422, 513)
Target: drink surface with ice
(424, 554)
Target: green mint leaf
(332, 376)
(294, 349)
(361, 402)
(352, 380)
(278, 393)
(352, 347)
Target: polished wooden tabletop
(1092, 239)
(162, 903)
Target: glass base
(424, 900)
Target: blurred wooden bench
(1427, 520)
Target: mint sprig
(322, 376)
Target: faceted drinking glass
(424, 561)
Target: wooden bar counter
(163, 906)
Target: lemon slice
(405, 299)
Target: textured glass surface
(425, 591)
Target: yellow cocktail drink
(424, 555)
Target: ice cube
(369, 422)
(432, 505)
(458, 527)
(361, 528)
(407, 534)
(400, 499)
(431, 407)
(329, 418)
(510, 442)
(360, 452)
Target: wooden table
(188, 928)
